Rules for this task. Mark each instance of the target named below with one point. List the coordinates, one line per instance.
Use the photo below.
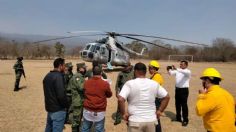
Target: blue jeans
(98, 126)
(55, 121)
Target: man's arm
(171, 72)
(104, 75)
(164, 96)
(121, 107)
(121, 104)
(108, 91)
(23, 72)
(60, 91)
(205, 103)
(76, 83)
(117, 87)
(164, 103)
(185, 72)
(123, 95)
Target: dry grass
(24, 111)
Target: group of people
(144, 110)
(81, 98)
(147, 99)
(71, 98)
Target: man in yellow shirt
(153, 70)
(215, 104)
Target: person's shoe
(177, 120)
(15, 90)
(185, 123)
(117, 122)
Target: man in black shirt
(55, 97)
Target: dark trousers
(158, 126)
(158, 103)
(181, 102)
(17, 82)
(118, 117)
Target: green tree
(224, 48)
(60, 49)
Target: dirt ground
(24, 111)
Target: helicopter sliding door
(104, 55)
(121, 58)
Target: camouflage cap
(69, 64)
(81, 65)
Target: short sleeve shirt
(141, 94)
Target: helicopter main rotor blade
(145, 41)
(165, 38)
(105, 32)
(81, 32)
(59, 38)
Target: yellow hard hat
(154, 63)
(211, 72)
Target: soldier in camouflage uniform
(124, 76)
(82, 69)
(68, 75)
(19, 70)
(76, 84)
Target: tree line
(13, 49)
(221, 49)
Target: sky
(193, 20)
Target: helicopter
(110, 51)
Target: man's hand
(168, 68)
(117, 95)
(202, 91)
(158, 114)
(173, 67)
(126, 117)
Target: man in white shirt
(141, 93)
(182, 77)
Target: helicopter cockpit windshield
(89, 50)
(87, 47)
(92, 48)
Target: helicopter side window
(98, 48)
(102, 50)
(87, 47)
(92, 48)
